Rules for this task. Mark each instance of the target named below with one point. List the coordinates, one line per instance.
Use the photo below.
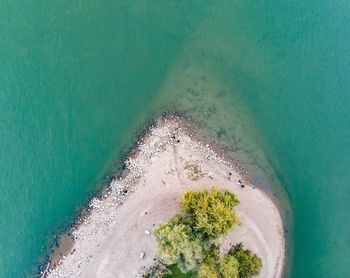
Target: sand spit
(116, 238)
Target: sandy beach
(115, 239)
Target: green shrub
(209, 266)
(177, 245)
(188, 242)
(176, 273)
(249, 263)
(207, 271)
(229, 266)
(211, 211)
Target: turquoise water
(268, 79)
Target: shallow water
(268, 79)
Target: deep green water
(269, 79)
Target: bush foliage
(249, 263)
(229, 266)
(211, 211)
(177, 245)
(189, 240)
(209, 265)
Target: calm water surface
(269, 79)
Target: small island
(178, 209)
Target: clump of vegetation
(195, 171)
(229, 267)
(209, 265)
(177, 244)
(211, 211)
(188, 242)
(249, 263)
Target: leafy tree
(211, 211)
(178, 245)
(215, 267)
(209, 266)
(229, 266)
(249, 263)
(207, 271)
(188, 242)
